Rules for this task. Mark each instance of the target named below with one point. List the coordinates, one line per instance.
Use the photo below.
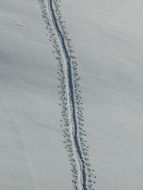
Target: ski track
(83, 177)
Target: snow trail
(72, 112)
(71, 93)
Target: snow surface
(107, 37)
(108, 41)
(32, 155)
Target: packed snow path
(71, 93)
(76, 145)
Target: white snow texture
(107, 37)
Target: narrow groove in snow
(71, 94)
(70, 97)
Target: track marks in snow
(72, 121)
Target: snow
(31, 148)
(108, 43)
(107, 36)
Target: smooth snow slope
(107, 37)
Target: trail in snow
(71, 93)
(83, 176)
